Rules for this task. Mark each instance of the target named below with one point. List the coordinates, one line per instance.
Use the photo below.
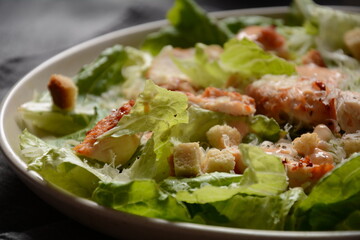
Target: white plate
(108, 221)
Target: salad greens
(183, 32)
(265, 186)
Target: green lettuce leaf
(218, 179)
(332, 200)
(298, 41)
(265, 174)
(113, 67)
(141, 197)
(156, 110)
(265, 128)
(253, 212)
(183, 31)
(104, 72)
(251, 61)
(324, 22)
(351, 222)
(42, 115)
(202, 70)
(62, 168)
(328, 21)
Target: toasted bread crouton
(239, 162)
(63, 91)
(187, 159)
(351, 143)
(348, 111)
(218, 161)
(222, 136)
(352, 42)
(306, 143)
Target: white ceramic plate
(108, 221)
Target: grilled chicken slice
(218, 100)
(308, 99)
(109, 149)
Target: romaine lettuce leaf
(202, 69)
(298, 41)
(251, 61)
(351, 222)
(42, 115)
(111, 68)
(61, 167)
(255, 212)
(72, 139)
(265, 128)
(104, 72)
(189, 25)
(156, 110)
(328, 21)
(218, 179)
(332, 200)
(142, 197)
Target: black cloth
(31, 32)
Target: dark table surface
(30, 33)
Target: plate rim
(37, 184)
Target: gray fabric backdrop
(31, 32)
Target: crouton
(239, 163)
(218, 161)
(348, 111)
(187, 159)
(352, 42)
(63, 92)
(306, 143)
(351, 143)
(223, 136)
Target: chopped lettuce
(351, 222)
(98, 76)
(141, 197)
(255, 212)
(189, 25)
(43, 116)
(173, 185)
(202, 69)
(61, 167)
(265, 128)
(251, 61)
(298, 41)
(326, 21)
(156, 110)
(76, 137)
(111, 68)
(332, 200)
